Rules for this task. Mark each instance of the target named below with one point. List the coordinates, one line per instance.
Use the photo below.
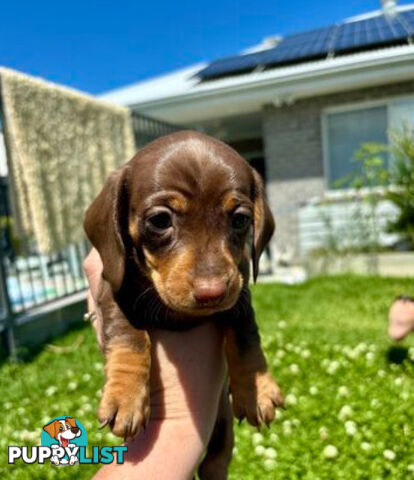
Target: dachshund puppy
(176, 229)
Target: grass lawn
(350, 392)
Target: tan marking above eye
(231, 201)
(177, 203)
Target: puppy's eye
(240, 221)
(160, 221)
(61, 429)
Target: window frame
(352, 107)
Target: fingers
(93, 267)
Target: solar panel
(304, 45)
(374, 31)
(338, 39)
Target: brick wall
(293, 149)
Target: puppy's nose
(209, 289)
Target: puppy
(63, 431)
(176, 229)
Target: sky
(99, 46)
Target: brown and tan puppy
(173, 228)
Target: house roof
(182, 96)
(357, 34)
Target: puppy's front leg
(125, 400)
(255, 394)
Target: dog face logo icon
(64, 435)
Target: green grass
(349, 391)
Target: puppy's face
(190, 204)
(192, 227)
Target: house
(297, 107)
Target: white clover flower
(21, 410)
(374, 402)
(313, 390)
(410, 468)
(98, 392)
(50, 391)
(273, 437)
(350, 428)
(87, 407)
(389, 454)
(404, 395)
(287, 427)
(282, 324)
(7, 405)
(269, 464)
(259, 450)
(306, 353)
(86, 377)
(362, 347)
(294, 368)
(270, 453)
(276, 362)
(280, 353)
(323, 433)
(370, 356)
(345, 412)
(353, 354)
(289, 347)
(69, 372)
(411, 353)
(333, 367)
(98, 366)
(366, 446)
(235, 451)
(330, 451)
(278, 414)
(257, 438)
(72, 386)
(399, 381)
(343, 391)
(29, 436)
(291, 400)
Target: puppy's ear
(263, 225)
(105, 223)
(50, 428)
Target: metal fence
(29, 279)
(147, 129)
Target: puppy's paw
(125, 408)
(256, 398)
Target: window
(346, 130)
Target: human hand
(401, 318)
(187, 378)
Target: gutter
(248, 93)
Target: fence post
(4, 290)
(10, 334)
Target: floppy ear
(105, 221)
(71, 421)
(50, 428)
(263, 225)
